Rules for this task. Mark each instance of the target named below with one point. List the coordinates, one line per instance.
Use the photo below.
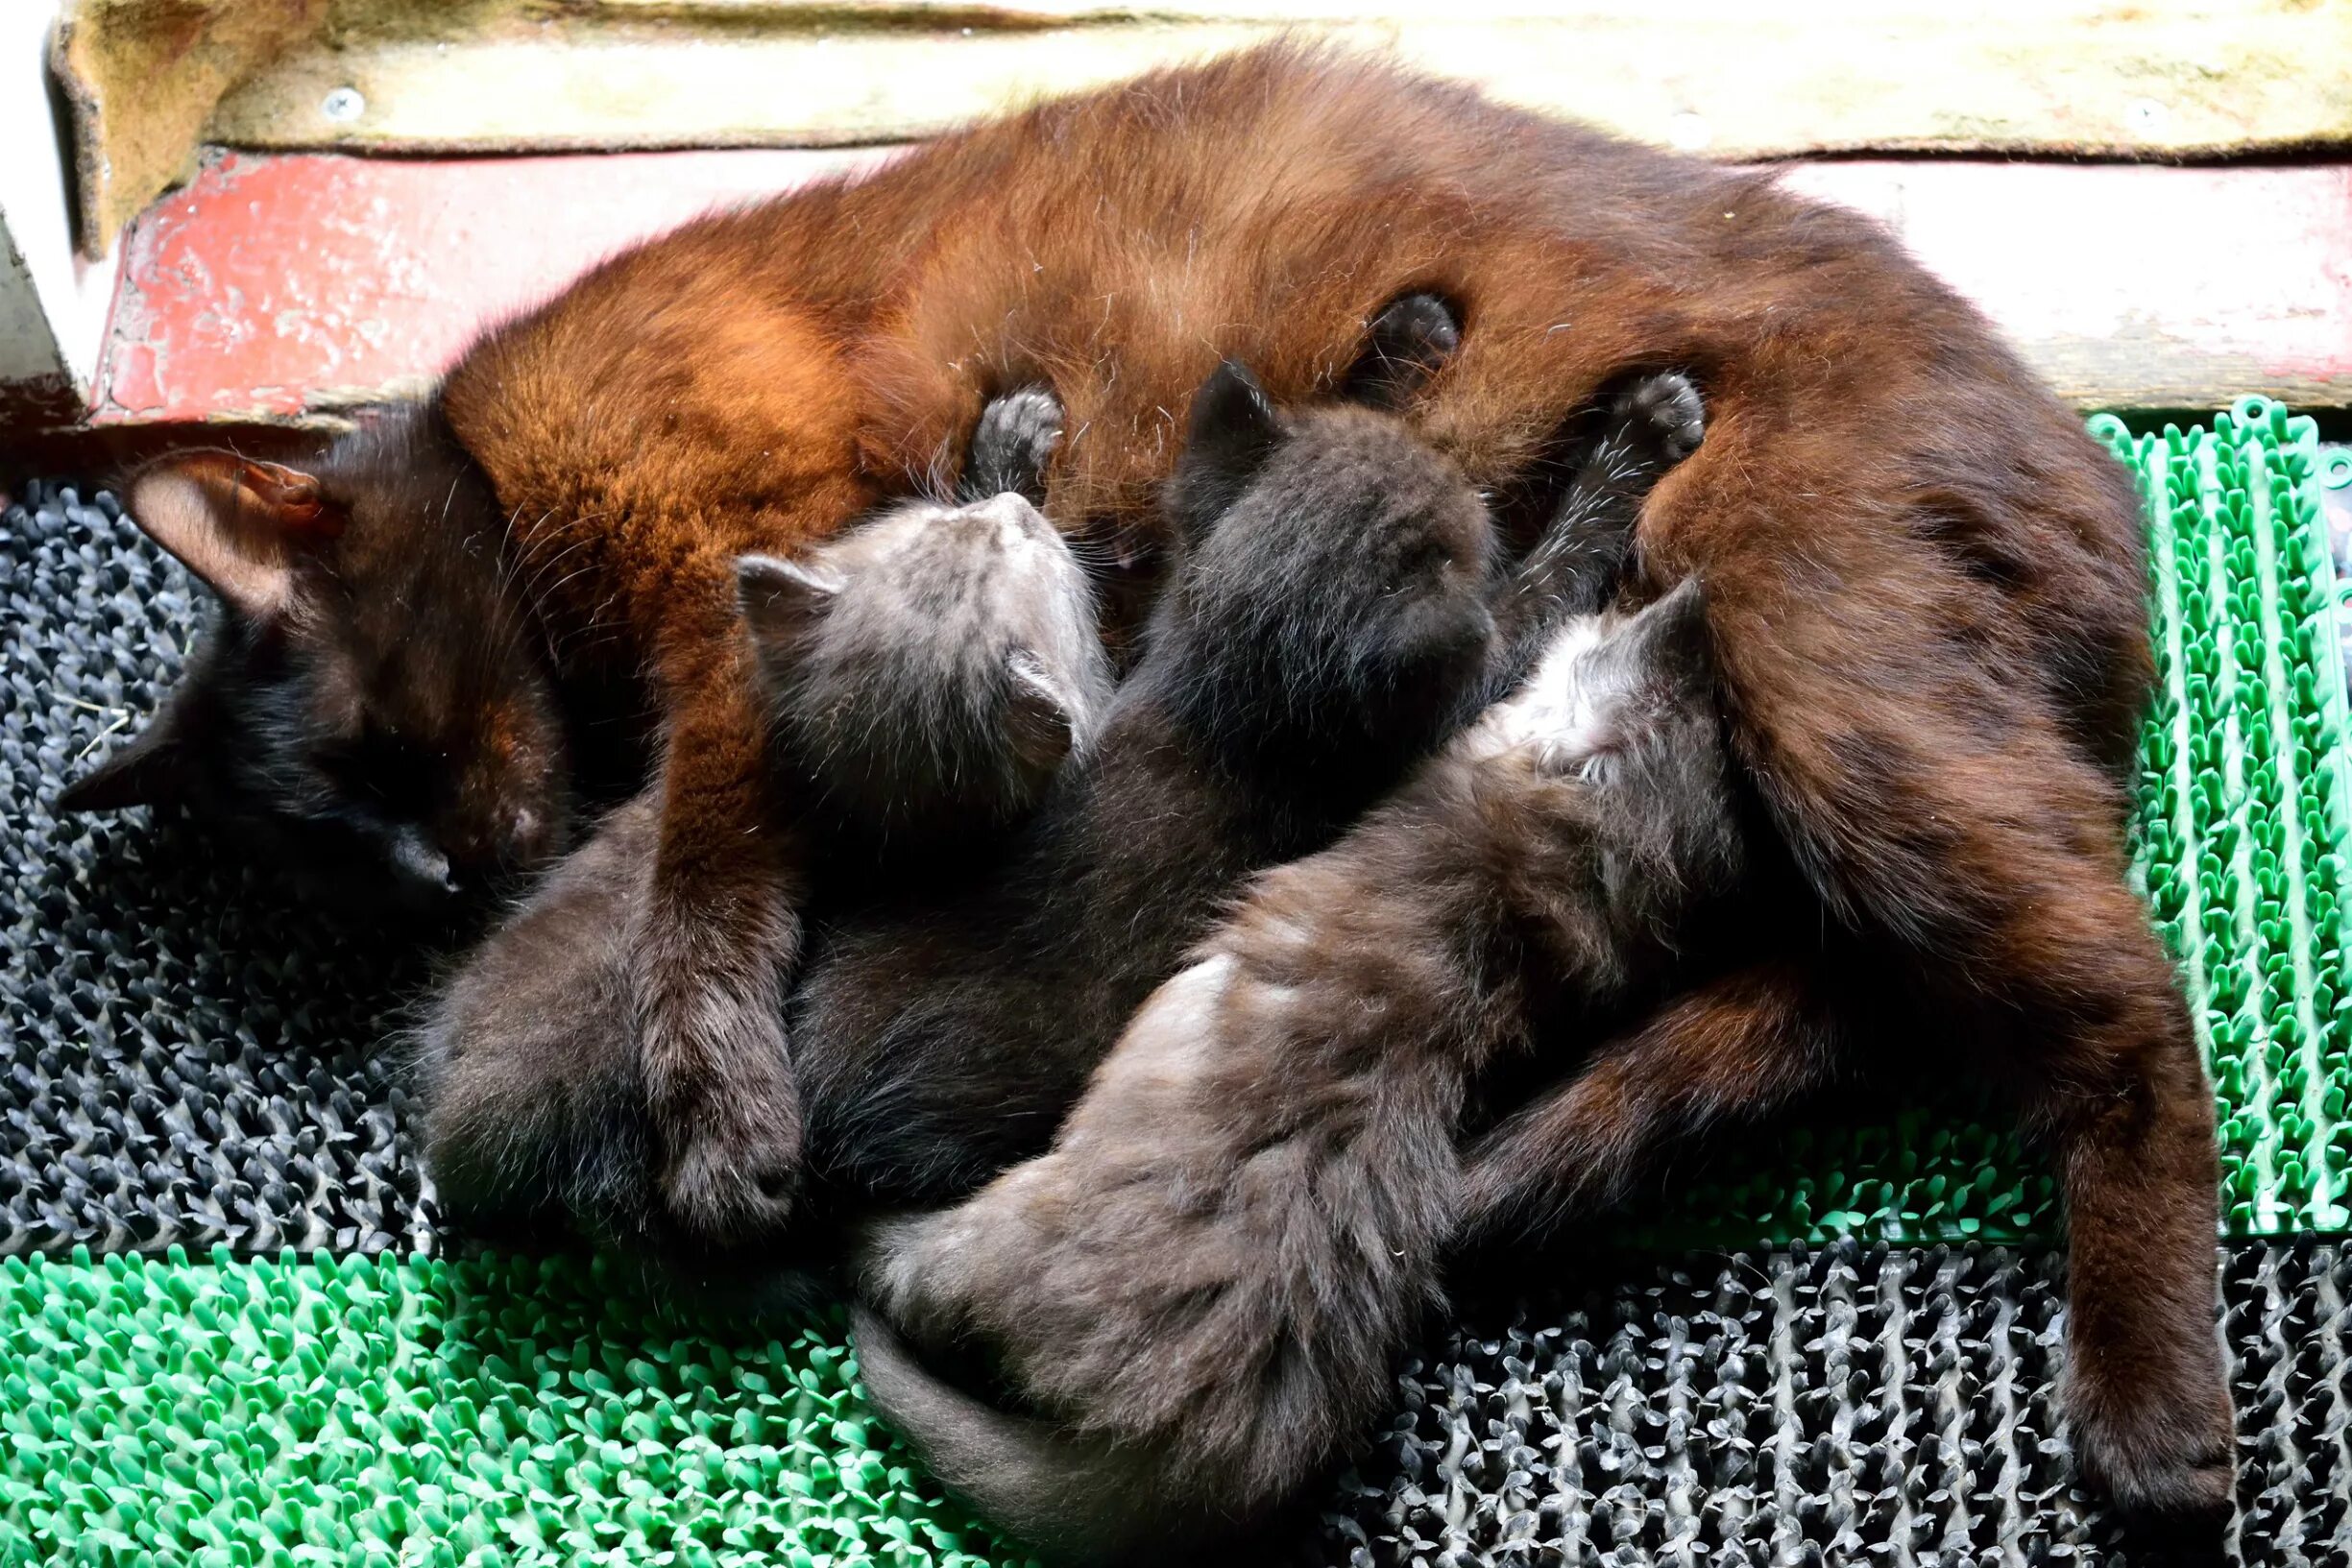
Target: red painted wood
(2246, 269)
(270, 285)
(276, 286)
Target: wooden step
(282, 288)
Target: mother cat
(1925, 582)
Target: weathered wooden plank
(283, 288)
(140, 78)
(51, 305)
(1745, 80)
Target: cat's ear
(1406, 344)
(1040, 718)
(1233, 429)
(782, 600)
(240, 524)
(156, 765)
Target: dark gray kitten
(1198, 1294)
(929, 670)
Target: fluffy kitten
(929, 670)
(1200, 1290)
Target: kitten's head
(1628, 706)
(1330, 593)
(367, 695)
(931, 668)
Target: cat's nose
(419, 863)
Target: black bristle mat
(193, 1056)
(1852, 1403)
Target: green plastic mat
(2240, 844)
(252, 1414)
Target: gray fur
(930, 669)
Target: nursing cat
(1927, 584)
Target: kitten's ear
(1405, 345)
(1670, 635)
(155, 766)
(781, 600)
(1040, 720)
(1233, 429)
(239, 525)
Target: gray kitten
(929, 670)
(1199, 1291)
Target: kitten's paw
(1663, 414)
(1012, 444)
(1406, 344)
(2160, 1454)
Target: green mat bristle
(483, 1412)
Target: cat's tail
(1074, 1503)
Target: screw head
(344, 105)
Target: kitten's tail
(1071, 1503)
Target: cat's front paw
(726, 1111)
(2162, 1448)
(1664, 413)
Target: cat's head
(1627, 707)
(367, 696)
(1332, 578)
(931, 668)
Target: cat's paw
(726, 1111)
(729, 1133)
(1662, 415)
(1012, 442)
(2163, 1451)
(526, 1064)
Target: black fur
(395, 747)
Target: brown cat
(1200, 1289)
(1924, 581)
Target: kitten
(929, 670)
(1335, 614)
(1200, 1290)
(1928, 584)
